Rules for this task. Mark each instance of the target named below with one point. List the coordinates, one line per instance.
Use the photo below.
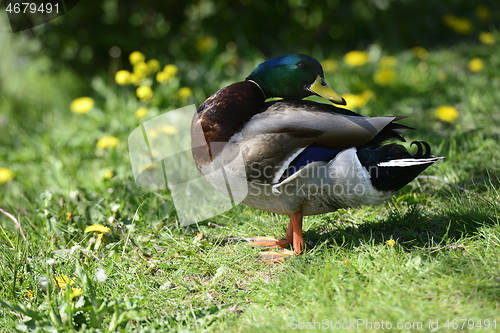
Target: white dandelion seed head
(115, 208)
(100, 275)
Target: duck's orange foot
(268, 242)
(293, 236)
(273, 256)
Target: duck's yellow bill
(320, 88)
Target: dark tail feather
(391, 166)
(391, 131)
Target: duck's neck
(226, 112)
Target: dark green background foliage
(170, 29)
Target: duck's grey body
(262, 154)
(319, 188)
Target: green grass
(444, 264)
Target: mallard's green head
(294, 76)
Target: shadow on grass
(414, 228)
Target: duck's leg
(298, 239)
(293, 236)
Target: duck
(299, 157)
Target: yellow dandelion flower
(486, 38)
(62, 281)
(75, 292)
(446, 113)
(30, 294)
(100, 238)
(167, 74)
(69, 215)
(356, 58)
(97, 227)
(136, 57)
(460, 25)
(135, 79)
(170, 69)
(483, 13)
(330, 66)
(420, 52)
(82, 105)
(107, 141)
(155, 154)
(122, 77)
(5, 175)
(449, 19)
(368, 94)
(141, 69)
(141, 112)
(387, 62)
(391, 242)
(463, 26)
(205, 44)
(153, 65)
(153, 134)
(354, 101)
(384, 77)
(144, 93)
(161, 77)
(184, 93)
(476, 65)
(108, 174)
(169, 129)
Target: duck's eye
(300, 64)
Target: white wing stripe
(406, 162)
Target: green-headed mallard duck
(300, 157)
